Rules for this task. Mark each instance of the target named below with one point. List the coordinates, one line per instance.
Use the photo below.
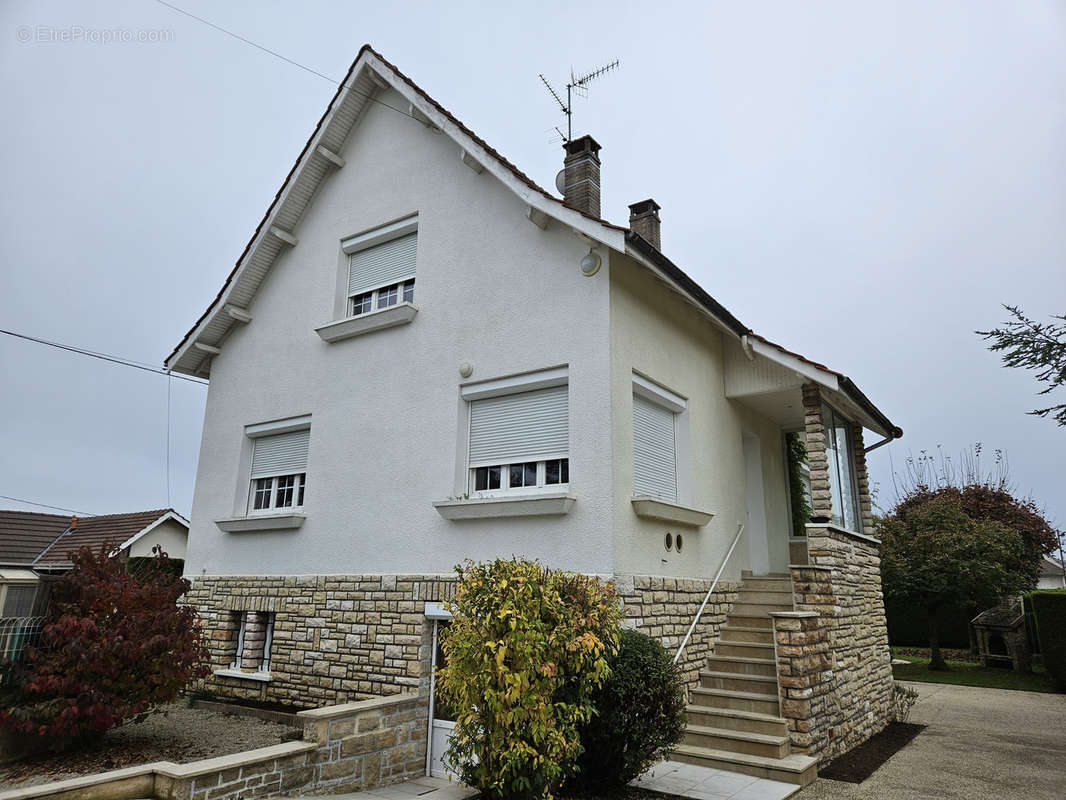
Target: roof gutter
(677, 275)
(861, 400)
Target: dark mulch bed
(859, 764)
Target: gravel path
(989, 744)
(177, 733)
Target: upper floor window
(520, 440)
(840, 455)
(279, 470)
(656, 412)
(381, 267)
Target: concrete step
(741, 665)
(770, 584)
(732, 719)
(756, 684)
(756, 702)
(758, 609)
(753, 744)
(742, 649)
(742, 633)
(784, 596)
(797, 769)
(748, 575)
(735, 619)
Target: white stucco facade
(499, 288)
(493, 290)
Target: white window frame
(505, 479)
(373, 238)
(837, 517)
(498, 387)
(678, 405)
(260, 430)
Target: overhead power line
(286, 59)
(104, 357)
(45, 505)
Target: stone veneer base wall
(834, 664)
(339, 638)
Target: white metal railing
(714, 583)
(16, 633)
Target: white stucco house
(1052, 574)
(423, 357)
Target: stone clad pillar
(863, 479)
(821, 497)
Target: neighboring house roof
(46, 540)
(1051, 566)
(24, 535)
(368, 73)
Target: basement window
(255, 638)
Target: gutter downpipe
(881, 443)
(714, 583)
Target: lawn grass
(967, 673)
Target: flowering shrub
(525, 650)
(113, 645)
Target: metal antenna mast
(581, 85)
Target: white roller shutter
(280, 454)
(530, 426)
(383, 264)
(654, 450)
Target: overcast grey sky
(863, 183)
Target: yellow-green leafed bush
(525, 650)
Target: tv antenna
(578, 85)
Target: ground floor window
(255, 636)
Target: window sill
(262, 677)
(263, 522)
(526, 505)
(372, 321)
(654, 508)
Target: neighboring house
(422, 357)
(35, 549)
(1052, 575)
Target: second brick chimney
(581, 175)
(644, 220)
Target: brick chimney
(581, 175)
(644, 219)
(73, 523)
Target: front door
(441, 721)
(755, 529)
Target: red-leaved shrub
(113, 645)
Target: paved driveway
(981, 744)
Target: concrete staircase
(734, 720)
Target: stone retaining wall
(338, 638)
(346, 748)
(834, 664)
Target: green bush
(640, 716)
(1049, 608)
(524, 651)
(141, 566)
